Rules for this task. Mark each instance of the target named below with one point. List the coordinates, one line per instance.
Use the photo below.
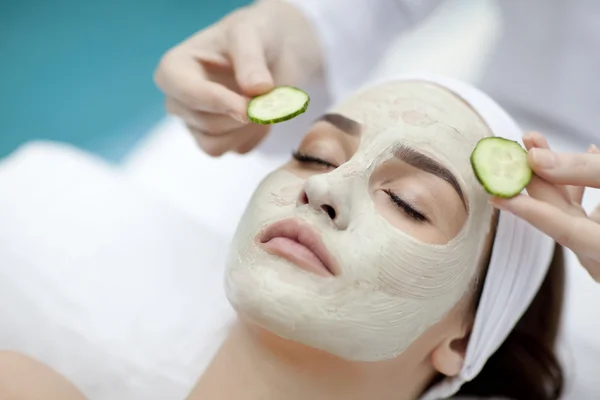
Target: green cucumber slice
(280, 104)
(501, 166)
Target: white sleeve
(355, 34)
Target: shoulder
(22, 377)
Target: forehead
(423, 116)
(411, 103)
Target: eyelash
(308, 159)
(407, 208)
(404, 206)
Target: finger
(216, 146)
(547, 192)
(535, 139)
(183, 78)
(577, 192)
(539, 140)
(577, 233)
(527, 142)
(566, 168)
(249, 60)
(592, 265)
(212, 145)
(254, 139)
(210, 124)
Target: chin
(295, 305)
(270, 290)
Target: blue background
(81, 71)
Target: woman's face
(372, 232)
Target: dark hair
(526, 366)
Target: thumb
(249, 60)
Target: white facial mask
(392, 287)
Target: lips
(296, 242)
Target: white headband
(520, 257)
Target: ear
(449, 356)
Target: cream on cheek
(393, 286)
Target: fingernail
(497, 204)
(257, 78)
(543, 158)
(236, 116)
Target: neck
(255, 364)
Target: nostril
(303, 199)
(329, 210)
(316, 203)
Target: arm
(355, 34)
(22, 378)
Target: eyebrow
(344, 124)
(406, 154)
(427, 164)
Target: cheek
(273, 198)
(397, 218)
(286, 195)
(454, 218)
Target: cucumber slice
(501, 166)
(280, 104)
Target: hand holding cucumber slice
(280, 104)
(501, 166)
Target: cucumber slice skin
(487, 181)
(286, 117)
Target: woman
(373, 266)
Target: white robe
(544, 65)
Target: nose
(322, 196)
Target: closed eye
(406, 208)
(308, 159)
(409, 210)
